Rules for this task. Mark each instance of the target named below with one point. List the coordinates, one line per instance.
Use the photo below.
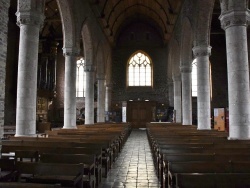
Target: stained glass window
(139, 70)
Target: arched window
(139, 70)
(80, 78)
(194, 78)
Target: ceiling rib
(171, 10)
(162, 8)
(103, 9)
(144, 6)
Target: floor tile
(134, 167)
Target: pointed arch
(88, 44)
(186, 43)
(68, 25)
(175, 59)
(139, 69)
(203, 22)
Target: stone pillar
(186, 78)
(89, 95)
(101, 98)
(177, 98)
(3, 53)
(29, 18)
(171, 93)
(235, 22)
(70, 88)
(108, 97)
(202, 54)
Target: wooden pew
(88, 161)
(61, 150)
(177, 157)
(208, 180)
(167, 141)
(27, 185)
(102, 159)
(175, 168)
(29, 155)
(7, 172)
(114, 142)
(51, 173)
(198, 150)
(187, 157)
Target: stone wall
(148, 39)
(4, 7)
(11, 67)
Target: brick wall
(4, 6)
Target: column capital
(234, 18)
(30, 12)
(89, 68)
(30, 18)
(71, 51)
(199, 51)
(186, 68)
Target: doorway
(140, 112)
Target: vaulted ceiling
(114, 15)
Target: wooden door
(139, 113)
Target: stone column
(235, 22)
(108, 97)
(101, 98)
(202, 54)
(171, 93)
(70, 88)
(29, 18)
(177, 98)
(89, 95)
(186, 78)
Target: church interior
(124, 93)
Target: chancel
(131, 93)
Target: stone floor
(134, 167)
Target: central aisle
(134, 166)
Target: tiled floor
(134, 166)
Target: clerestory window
(139, 70)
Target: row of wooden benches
(183, 154)
(72, 157)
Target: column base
(204, 129)
(26, 135)
(64, 127)
(231, 138)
